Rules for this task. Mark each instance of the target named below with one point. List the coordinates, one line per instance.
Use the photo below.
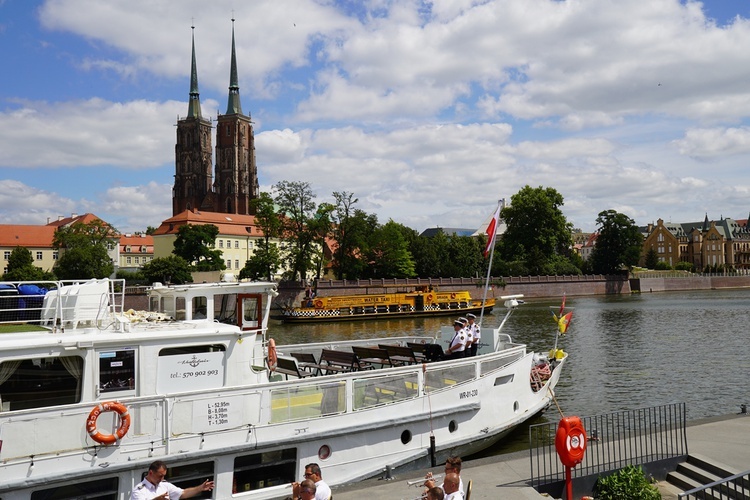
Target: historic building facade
(230, 187)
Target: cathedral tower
(193, 163)
(236, 181)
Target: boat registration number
(468, 394)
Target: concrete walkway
(722, 439)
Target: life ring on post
(570, 441)
(318, 304)
(100, 437)
(272, 359)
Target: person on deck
(476, 333)
(469, 336)
(313, 473)
(154, 486)
(452, 466)
(458, 343)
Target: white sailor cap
(463, 320)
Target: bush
(626, 484)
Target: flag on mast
(492, 230)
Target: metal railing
(733, 487)
(615, 440)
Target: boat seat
(372, 356)
(339, 361)
(307, 361)
(288, 366)
(418, 348)
(399, 355)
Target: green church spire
(194, 105)
(233, 103)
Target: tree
(465, 257)
(537, 230)
(173, 269)
(264, 262)
(351, 228)
(195, 243)
(267, 253)
(298, 229)
(21, 267)
(618, 244)
(652, 258)
(389, 254)
(83, 250)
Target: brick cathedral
(234, 182)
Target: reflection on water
(626, 352)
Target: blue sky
(428, 112)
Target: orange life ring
(453, 295)
(318, 304)
(272, 359)
(429, 298)
(122, 412)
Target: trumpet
(421, 482)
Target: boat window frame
(119, 391)
(39, 361)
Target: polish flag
(492, 230)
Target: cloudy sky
(428, 111)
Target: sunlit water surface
(626, 352)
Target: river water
(626, 351)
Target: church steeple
(233, 103)
(194, 104)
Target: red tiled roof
(85, 219)
(228, 224)
(136, 242)
(12, 235)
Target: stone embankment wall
(670, 284)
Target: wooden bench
(399, 355)
(372, 356)
(418, 348)
(287, 366)
(307, 361)
(339, 361)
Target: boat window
(309, 401)
(261, 470)
(443, 378)
(117, 370)
(187, 476)
(39, 382)
(200, 308)
(251, 310)
(373, 391)
(100, 489)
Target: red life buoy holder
(122, 412)
(318, 304)
(570, 441)
(272, 359)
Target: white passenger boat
(92, 394)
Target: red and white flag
(492, 230)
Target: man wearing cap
(476, 334)
(458, 343)
(469, 338)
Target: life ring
(272, 359)
(453, 295)
(318, 304)
(122, 412)
(429, 298)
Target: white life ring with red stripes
(100, 437)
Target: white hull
(366, 420)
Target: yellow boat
(386, 305)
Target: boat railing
(61, 304)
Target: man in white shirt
(476, 333)
(154, 486)
(313, 473)
(458, 342)
(451, 487)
